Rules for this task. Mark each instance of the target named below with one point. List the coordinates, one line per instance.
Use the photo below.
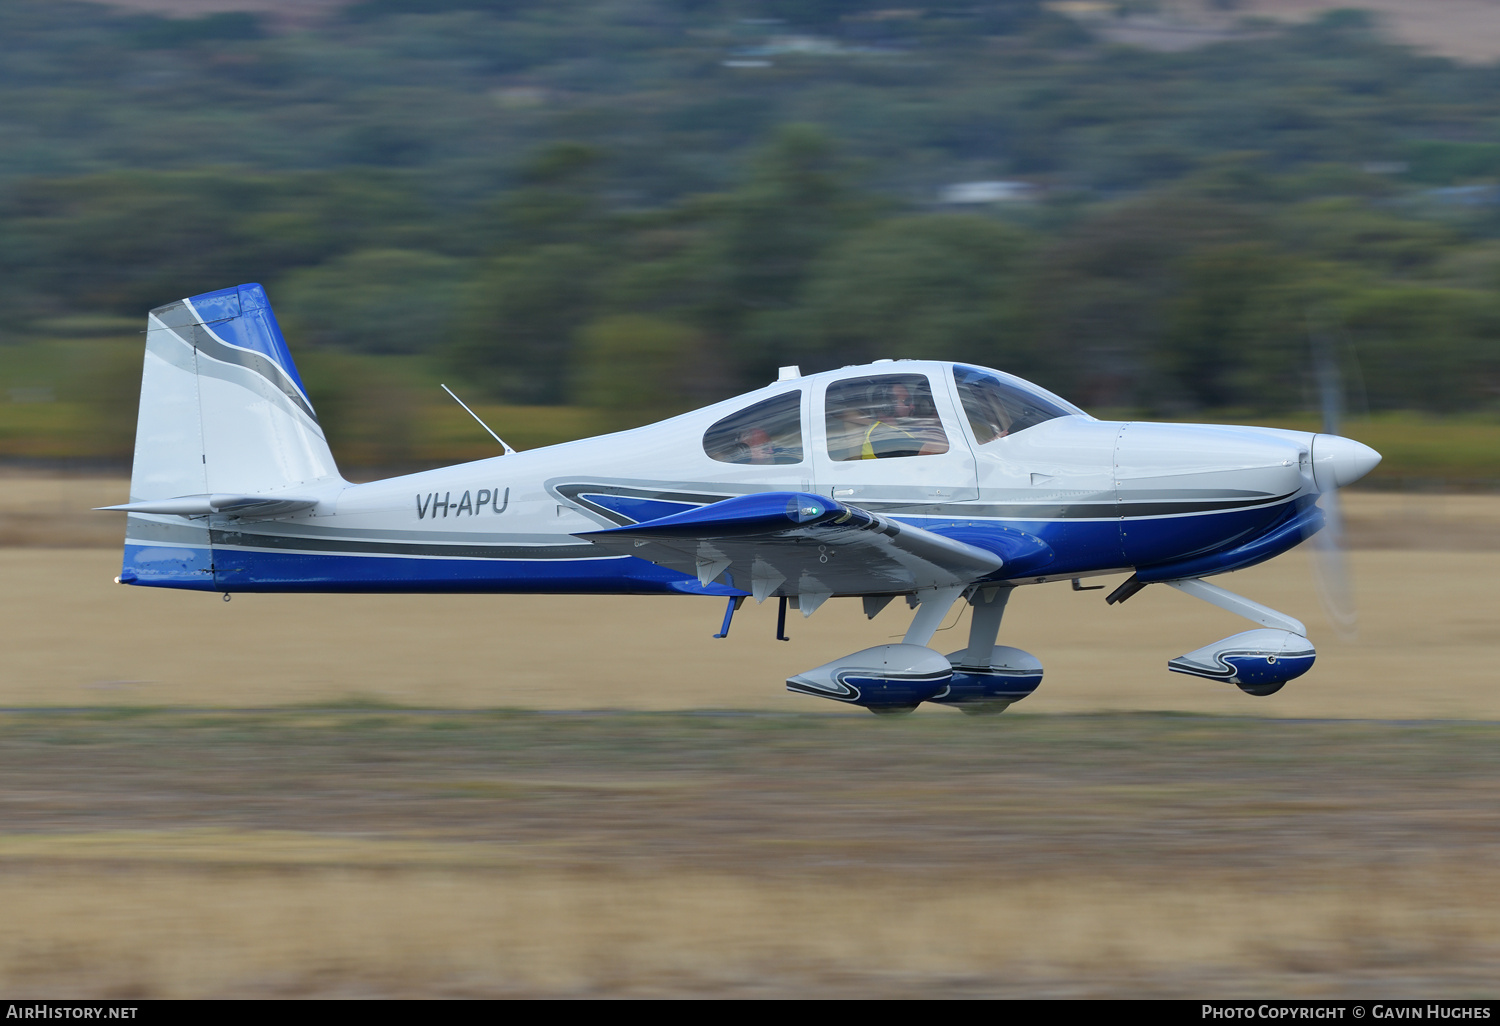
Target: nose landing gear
(1258, 662)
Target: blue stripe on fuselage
(245, 570)
(1082, 546)
(1147, 541)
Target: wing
(795, 543)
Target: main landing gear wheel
(1262, 690)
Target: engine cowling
(886, 678)
(1259, 662)
(1010, 676)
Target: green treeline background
(587, 214)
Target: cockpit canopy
(879, 416)
(998, 404)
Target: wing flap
(797, 543)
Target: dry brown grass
(1466, 29)
(175, 933)
(1428, 646)
(1425, 579)
(42, 508)
(1432, 522)
(395, 854)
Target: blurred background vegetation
(584, 214)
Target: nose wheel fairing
(1258, 662)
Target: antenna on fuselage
(508, 450)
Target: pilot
(988, 415)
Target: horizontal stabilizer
(245, 506)
(798, 543)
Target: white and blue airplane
(915, 479)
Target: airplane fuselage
(1103, 496)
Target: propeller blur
(926, 480)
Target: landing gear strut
(988, 678)
(982, 679)
(1258, 662)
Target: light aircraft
(914, 479)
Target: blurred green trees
(548, 242)
(934, 286)
(373, 300)
(121, 241)
(631, 368)
(642, 205)
(521, 317)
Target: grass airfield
(506, 796)
(388, 853)
(1427, 649)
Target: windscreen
(998, 405)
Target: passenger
(755, 443)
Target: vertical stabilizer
(224, 417)
(222, 406)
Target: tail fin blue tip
(242, 317)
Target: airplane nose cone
(1340, 461)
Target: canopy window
(882, 417)
(769, 432)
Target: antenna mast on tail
(508, 450)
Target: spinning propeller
(1337, 461)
